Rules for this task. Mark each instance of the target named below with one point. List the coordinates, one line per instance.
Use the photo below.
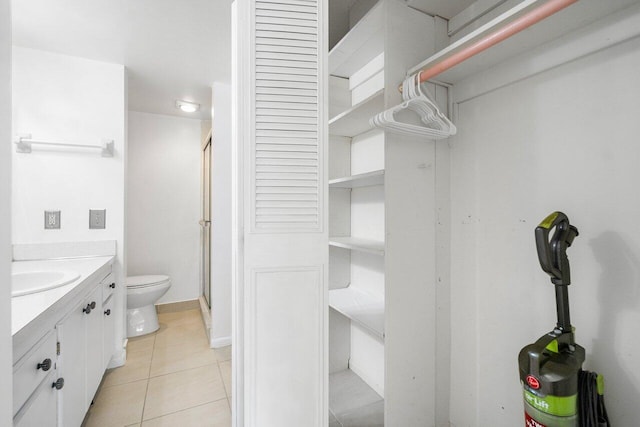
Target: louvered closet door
(281, 127)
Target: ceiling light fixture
(187, 107)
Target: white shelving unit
(359, 201)
(356, 244)
(355, 120)
(356, 225)
(361, 180)
(361, 307)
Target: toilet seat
(137, 282)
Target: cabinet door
(109, 329)
(94, 343)
(72, 367)
(283, 240)
(42, 409)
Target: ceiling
(173, 49)
(444, 8)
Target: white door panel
(280, 297)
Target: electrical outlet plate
(51, 220)
(97, 218)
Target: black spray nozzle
(552, 253)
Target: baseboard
(220, 342)
(206, 313)
(119, 357)
(172, 307)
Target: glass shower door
(205, 222)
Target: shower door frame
(205, 219)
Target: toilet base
(142, 321)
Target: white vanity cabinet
(61, 355)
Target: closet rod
(525, 21)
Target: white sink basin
(38, 281)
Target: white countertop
(26, 308)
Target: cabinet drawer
(42, 409)
(108, 286)
(29, 372)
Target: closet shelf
(361, 180)
(355, 120)
(374, 247)
(552, 28)
(365, 309)
(360, 45)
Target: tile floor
(171, 378)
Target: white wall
(80, 101)
(338, 21)
(221, 217)
(163, 234)
(6, 355)
(566, 139)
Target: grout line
(224, 386)
(144, 402)
(181, 370)
(146, 392)
(185, 409)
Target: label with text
(530, 422)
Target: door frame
(205, 224)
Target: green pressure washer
(556, 391)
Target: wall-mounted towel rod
(24, 142)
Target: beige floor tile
(179, 358)
(183, 335)
(135, 368)
(180, 318)
(225, 371)
(223, 353)
(117, 406)
(214, 414)
(182, 390)
(141, 343)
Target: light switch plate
(51, 220)
(97, 218)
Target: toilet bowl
(142, 293)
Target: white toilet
(142, 293)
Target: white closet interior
(406, 321)
(365, 67)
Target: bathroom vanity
(63, 339)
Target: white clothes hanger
(436, 124)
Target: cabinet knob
(45, 365)
(107, 312)
(112, 286)
(58, 384)
(93, 305)
(87, 309)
